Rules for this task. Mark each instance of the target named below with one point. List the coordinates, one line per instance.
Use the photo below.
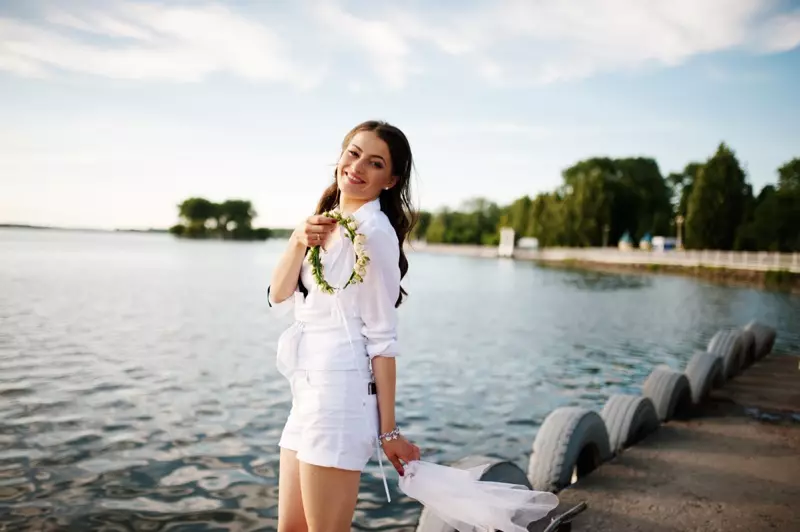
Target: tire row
(573, 441)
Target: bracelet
(391, 435)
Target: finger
(397, 465)
(321, 228)
(411, 455)
(318, 219)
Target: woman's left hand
(400, 449)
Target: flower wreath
(358, 240)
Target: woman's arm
(285, 275)
(378, 297)
(311, 232)
(385, 370)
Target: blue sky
(114, 111)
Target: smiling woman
(339, 354)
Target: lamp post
(605, 235)
(679, 223)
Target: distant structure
(646, 243)
(625, 242)
(664, 243)
(506, 247)
(528, 242)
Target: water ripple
(138, 389)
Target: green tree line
(230, 220)
(602, 198)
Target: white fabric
(464, 502)
(369, 307)
(342, 331)
(333, 420)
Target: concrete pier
(734, 466)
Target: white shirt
(370, 327)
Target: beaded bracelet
(392, 435)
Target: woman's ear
(392, 182)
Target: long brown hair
(395, 202)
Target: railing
(738, 260)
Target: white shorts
(333, 421)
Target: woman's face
(365, 167)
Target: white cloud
(781, 33)
(519, 41)
(389, 52)
(552, 40)
(498, 41)
(151, 42)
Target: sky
(112, 111)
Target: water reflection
(602, 282)
(138, 388)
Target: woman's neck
(348, 206)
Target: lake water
(138, 388)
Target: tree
(236, 217)
(716, 205)
(517, 215)
(630, 196)
(681, 185)
(421, 227)
(437, 230)
(646, 196)
(789, 175)
(776, 220)
(549, 220)
(197, 211)
(588, 195)
(233, 218)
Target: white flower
(361, 270)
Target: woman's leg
(329, 497)
(291, 515)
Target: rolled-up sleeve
(379, 292)
(284, 307)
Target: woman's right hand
(314, 230)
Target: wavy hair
(395, 202)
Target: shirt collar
(366, 211)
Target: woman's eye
(353, 153)
(377, 164)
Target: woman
(339, 355)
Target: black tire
(670, 392)
(727, 343)
(628, 419)
(572, 441)
(704, 372)
(764, 337)
(748, 346)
